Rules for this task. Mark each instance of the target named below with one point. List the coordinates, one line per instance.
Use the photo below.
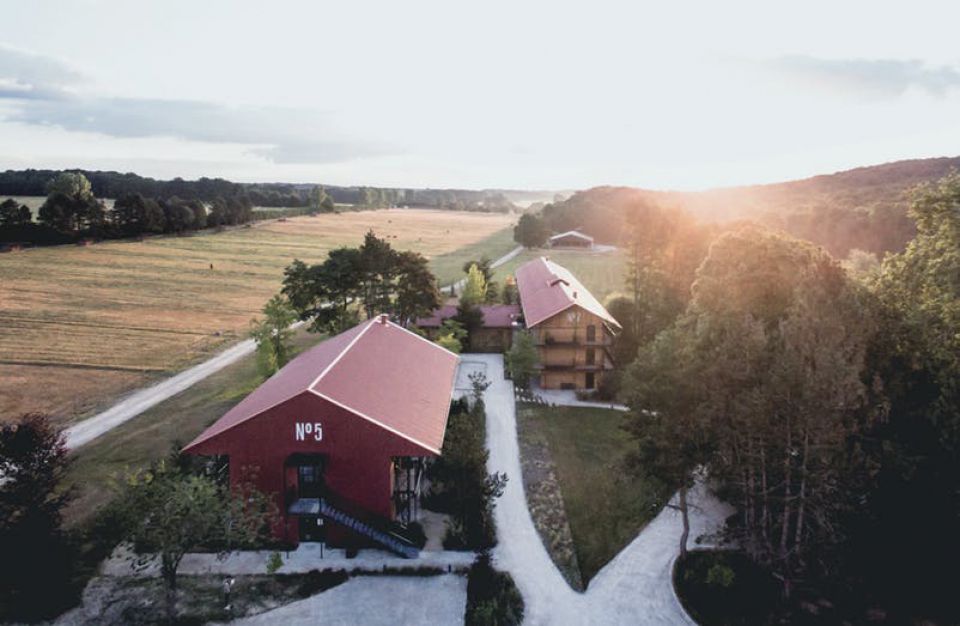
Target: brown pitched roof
(377, 370)
(494, 315)
(547, 289)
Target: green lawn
(151, 435)
(601, 272)
(449, 267)
(605, 508)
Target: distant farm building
(573, 331)
(340, 435)
(571, 239)
(496, 334)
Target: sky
(547, 95)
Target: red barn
(340, 435)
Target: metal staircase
(387, 537)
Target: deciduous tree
(521, 360)
(167, 513)
(417, 293)
(273, 335)
(35, 557)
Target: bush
(416, 534)
(460, 484)
(315, 581)
(492, 597)
(725, 588)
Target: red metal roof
(494, 315)
(377, 370)
(547, 289)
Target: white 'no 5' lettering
(307, 428)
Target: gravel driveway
(634, 588)
(376, 600)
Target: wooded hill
(863, 208)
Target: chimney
(383, 318)
(574, 295)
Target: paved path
(148, 397)
(305, 558)
(372, 601)
(634, 588)
(505, 258)
(568, 397)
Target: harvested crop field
(81, 325)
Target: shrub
(460, 484)
(416, 534)
(315, 581)
(492, 597)
(725, 588)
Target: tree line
(106, 184)
(72, 211)
(824, 405)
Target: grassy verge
(449, 267)
(605, 508)
(151, 435)
(601, 272)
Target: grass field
(601, 272)
(605, 507)
(80, 325)
(151, 435)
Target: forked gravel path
(634, 588)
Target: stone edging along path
(636, 587)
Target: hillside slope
(863, 208)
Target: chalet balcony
(579, 366)
(547, 340)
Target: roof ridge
(373, 420)
(340, 354)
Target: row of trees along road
(827, 409)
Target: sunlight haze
(540, 95)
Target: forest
(821, 402)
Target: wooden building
(339, 436)
(572, 239)
(496, 334)
(573, 331)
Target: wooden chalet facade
(573, 331)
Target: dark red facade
(357, 458)
(335, 426)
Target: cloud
(871, 78)
(41, 92)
